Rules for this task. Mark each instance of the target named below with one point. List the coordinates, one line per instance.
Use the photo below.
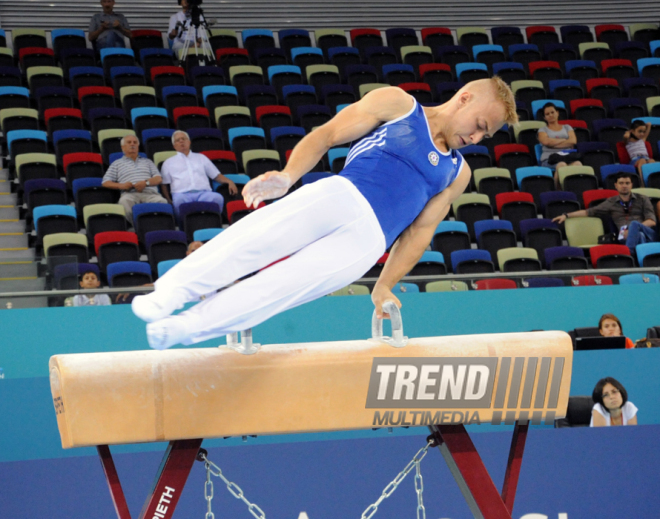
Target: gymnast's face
(478, 116)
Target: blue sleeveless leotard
(398, 169)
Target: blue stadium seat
(205, 235)
(472, 261)
(544, 282)
(638, 279)
(565, 258)
(128, 273)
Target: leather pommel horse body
(147, 396)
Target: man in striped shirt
(135, 176)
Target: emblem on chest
(434, 158)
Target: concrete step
(16, 271)
(22, 285)
(9, 214)
(14, 256)
(8, 199)
(19, 242)
(5, 187)
(17, 227)
(4, 173)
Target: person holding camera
(180, 29)
(108, 28)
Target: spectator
(635, 140)
(135, 176)
(179, 30)
(558, 142)
(193, 246)
(610, 326)
(108, 29)
(632, 214)
(187, 175)
(611, 406)
(89, 280)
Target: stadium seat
(68, 245)
(88, 191)
(648, 254)
(470, 208)
(149, 217)
(577, 179)
(565, 258)
(199, 215)
(535, 180)
(597, 195)
(237, 210)
(431, 263)
(102, 218)
(492, 181)
(113, 246)
(611, 256)
(638, 279)
(515, 207)
(128, 274)
(329, 38)
(136, 97)
(495, 284)
(543, 283)
(540, 234)
(518, 259)
(446, 286)
(52, 219)
(205, 235)
(33, 166)
(472, 261)
(589, 280)
(450, 236)
(493, 235)
(165, 245)
(555, 203)
(45, 191)
(583, 231)
(71, 141)
(82, 165)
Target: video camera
(196, 12)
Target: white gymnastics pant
(328, 229)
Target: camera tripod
(198, 30)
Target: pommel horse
(185, 395)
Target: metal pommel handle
(398, 340)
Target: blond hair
(501, 92)
(504, 94)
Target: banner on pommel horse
(106, 399)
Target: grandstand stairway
(18, 270)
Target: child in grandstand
(635, 140)
(611, 406)
(610, 326)
(89, 280)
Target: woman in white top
(556, 139)
(611, 406)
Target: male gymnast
(401, 176)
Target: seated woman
(610, 326)
(611, 406)
(555, 138)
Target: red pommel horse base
(104, 399)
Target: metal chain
(419, 488)
(392, 486)
(233, 488)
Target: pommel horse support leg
(106, 399)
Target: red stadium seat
(597, 194)
(495, 284)
(610, 252)
(507, 198)
(590, 280)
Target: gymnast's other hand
(273, 184)
(380, 295)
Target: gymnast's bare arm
(353, 122)
(412, 243)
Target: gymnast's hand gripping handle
(398, 340)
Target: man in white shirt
(187, 175)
